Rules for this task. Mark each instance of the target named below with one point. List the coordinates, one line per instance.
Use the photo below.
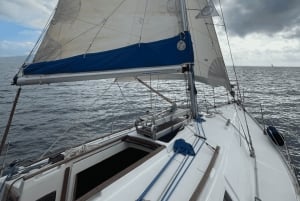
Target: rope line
(156, 178)
(144, 17)
(10, 120)
(168, 195)
(230, 51)
(123, 95)
(184, 171)
(73, 125)
(179, 173)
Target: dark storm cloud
(262, 16)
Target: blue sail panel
(154, 54)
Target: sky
(261, 32)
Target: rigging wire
(249, 135)
(250, 147)
(10, 120)
(123, 95)
(74, 124)
(44, 32)
(142, 28)
(239, 96)
(230, 51)
(150, 91)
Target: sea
(51, 118)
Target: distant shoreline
(15, 59)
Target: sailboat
(177, 154)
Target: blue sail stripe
(158, 53)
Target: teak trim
(65, 184)
(205, 177)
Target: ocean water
(53, 117)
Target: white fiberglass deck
(233, 172)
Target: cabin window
(49, 197)
(227, 197)
(101, 172)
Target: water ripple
(81, 111)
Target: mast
(189, 67)
(193, 92)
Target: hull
(233, 160)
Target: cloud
(261, 32)
(30, 33)
(258, 49)
(269, 17)
(29, 13)
(13, 48)
(291, 33)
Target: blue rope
(177, 150)
(12, 170)
(180, 146)
(156, 178)
(200, 120)
(169, 195)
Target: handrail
(205, 177)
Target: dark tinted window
(49, 197)
(227, 197)
(99, 173)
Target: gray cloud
(242, 16)
(262, 16)
(293, 32)
(30, 13)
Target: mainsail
(113, 38)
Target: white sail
(97, 39)
(109, 35)
(209, 64)
(82, 27)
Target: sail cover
(101, 35)
(209, 66)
